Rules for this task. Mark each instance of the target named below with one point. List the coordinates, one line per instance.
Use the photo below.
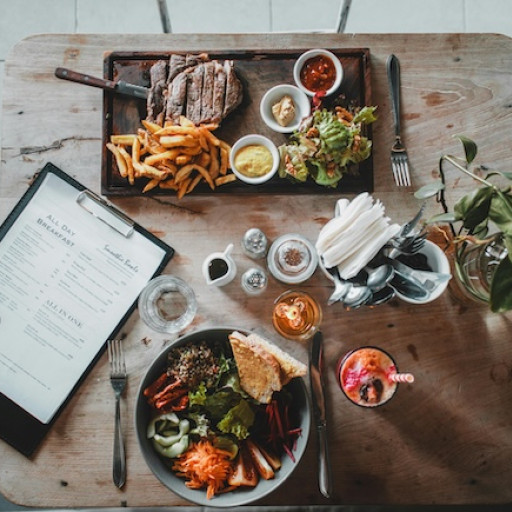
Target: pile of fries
(176, 157)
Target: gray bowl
(161, 467)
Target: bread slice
(290, 367)
(259, 371)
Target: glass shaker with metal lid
(254, 243)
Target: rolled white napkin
(355, 235)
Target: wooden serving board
(258, 71)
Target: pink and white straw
(402, 377)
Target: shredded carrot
(203, 465)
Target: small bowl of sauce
(318, 71)
(283, 107)
(254, 159)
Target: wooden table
(447, 439)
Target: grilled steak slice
(233, 89)
(219, 91)
(194, 89)
(177, 63)
(207, 94)
(193, 59)
(176, 98)
(157, 92)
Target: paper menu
(67, 278)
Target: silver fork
(399, 158)
(118, 378)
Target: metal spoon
(341, 287)
(379, 277)
(381, 296)
(409, 287)
(356, 296)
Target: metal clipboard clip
(105, 212)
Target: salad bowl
(161, 467)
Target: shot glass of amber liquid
(296, 315)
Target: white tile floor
(21, 18)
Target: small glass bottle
(254, 281)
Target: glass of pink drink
(369, 377)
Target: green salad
(198, 396)
(325, 146)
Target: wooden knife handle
(74, 76)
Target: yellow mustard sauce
(254, 160)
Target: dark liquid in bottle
(217, 268)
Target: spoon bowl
(379, 277)
(381, 296)
(357, 296)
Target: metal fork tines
(400, 164)
(118, 377)
(399, 158)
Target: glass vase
(476, 263)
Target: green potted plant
(482, 239)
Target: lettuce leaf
(325, 146)
(238, 420)
(219, 403)
(198, 395)
(365, 115)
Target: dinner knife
(119, 86)
(319, 412)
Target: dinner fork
(399, 158)
(118, 378)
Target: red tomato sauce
(318, 73)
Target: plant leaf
(508, 244)
(429, 190)
(470, 148)
(473, 208)
(442, 217)
(481, 230)
(507, 175)
(500, 212)
(501, 287)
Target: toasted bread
(259, 371)
(290, 367)
(262, 366)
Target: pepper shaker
(254, 243)
(254, 281)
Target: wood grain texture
(446, 439)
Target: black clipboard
(18, 427)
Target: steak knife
(319, 412)
(119, 87)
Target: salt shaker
(254, 243)
(254, 281)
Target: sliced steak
(207, 94)
(192, 59)
(219, 91)
(194, 89)
(177, 63)
(234, 93)
(176, 98)
(157, 92)
(191, 85)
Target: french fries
(173, 157)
